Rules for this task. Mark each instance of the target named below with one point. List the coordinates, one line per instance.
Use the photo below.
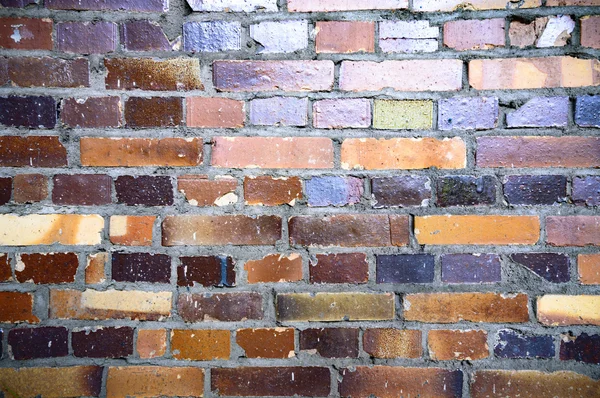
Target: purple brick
(401, 191)
(587, 111)
(233, 5)
(342, 113)
(331, 342)
(144, 35)
(44, 342)
(17, 3)
(405, 268)
(535, 190)
(5, 189)
(553, 267)
(31, 112)
(333, 191)
(279, 111)
(86, 37)
(541, 112)
(466, 191)
(586, 190)
(477, 113)
(144, 190)
(583, 348)
(280, 36)
(109, 5)
(516, 345)
(103, 342)
(471, 268)
(212, 36)
(141, 267)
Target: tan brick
(589, 268)
(272, 191)
(392, 343)
(590, 31)
(461, 345)
(200, 191)
(267, 343)
(345, 37)
(95, 268)
(201, 345)
(452, 5)
(16, 307)
(215, 112)
(573, 230)
(131, 230)
(55, 382)
(344, 5)
(151, 343)
(48, 229)
(556, 309)
(477, 230)
(179, 74)
(403, 153)
(154, 381)
(275, 268)
(472, 307)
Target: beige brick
(556, 309)
(151, 343)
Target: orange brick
(477, 230)
(16, 307)
(557, 309)
(131, 230)
(201, 345)
(154, 381)
(392, 343)
(94, 269)
(200, 191)
(573, 230)
(345, 37)
(272, 191)
(589, 268)
(275, 268)
(151, 343)
(267, 343)
(215, 112)
(54, 382)
(458, 345)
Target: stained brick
(109, 5)
(153, 111)
(200, 191)
(345, 37)
(339, 268)
(215, 112)
(48, 72)
(155, 381)
(181, 74)
(333, 191)
(30, 188)
(555, 309)
(471, 268)
(233, 5)
(279, 111)
(402, 191)
(587, 111)
(82, 189)
(92, 112)
(573, 231)
(416, 115)
(212, 36)
(344, 5)
(392, 343)
(342, 113)
(330, 342)
(586, 190)
(583, 348)
(46, 268)
(206, 271)
(477, 113)
(454, 5)
(131, 230)
(31, 112)
(226, 307)
(151, 343)
(17, 307)
(460, 345)
(144, 190)
(274, 268)
(272, 191)
(280, 36)
(554, 267)
(33, 343)
(514, 344)
(466, 191)
(86, 37)
(144, 35)
(141, 267)
(405, 268)
(474, 34)
(408, 36)
(266, 343)
(26, 33)
(589, 268)
(48, 229)
(541, 112)
(74, 381)
(201, 345)
(590, 31)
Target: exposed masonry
(572, 114)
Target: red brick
(46, 268)
(573, 230)
(344, 5)
(215, 112)
(16, 307)
(30, 188)
(474, 34)
(345, 37)
(92, 112)
(181, 74)
(86, 37)
(272, 191)
(275, 268)
(154, 112)
(32, 151)
(266, 343)
(590, 31)
(461, 345)
(48, 72)
(200, 191)
(26, 33)
(154, 381)
(339, 268)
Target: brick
(401, 191)
(131, 230)
(5, 268)
(266, 343)
(555, 310)
(220, 230)
(86, 37)
(103, 342)
(474, 34)
(333, 191)
(344, 37)
(573, 231)
(406, 75)
(587, 111)
(274, 268)
(272, 152)
(82, 189)
(144, 190)
(476, 113)
(207, 271)
(586, 191)
(535, 190)
(200, 191)
(46, 268)
(339, 268)
(95, 268)
(455, 5)
(48, 229)
(48, 72)
(516, 345)
(272, 191)
(201, 345)
(342, 113)
(326, 307)
(30, 188)
(26, 33)
(583, 348)
(151, 343)
(5, 190)
(215, 112)
(557, 31)
(181, 74)
(349, 230)
(225, 307)
(408, 37)
(141, 267)
(405, 268)
(273, 75)
(135, 152)
(280, 37)
(527, 73)
(16, 3)
(109, 5)
(553, 267)
(471, 268)
(279, 111)
(154, 112)
(110, 304)
(392, 343)
(590, 31)
(145, 35)
(16, 307)
(32, 112)
(91, 112)
(330, 342)
(233, 5)
(522, 34)
(471, 307)
(589, 268)
(33, 343)
(462, 345)
(74, 381)
(212, 36)
(541, 112)
(466, 191)
(477, 230)
(393, 381)
(344, 5)
(412, 115)
(512, 383)
(128, 381)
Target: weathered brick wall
(392, 198)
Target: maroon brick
(109, 5)
(583, 348)
(48, 72)
(554, 267)
(154, 112)
(206, 271)
(227, 307)
(401, 191)
(103, 342)
(32, 151)
(141, 267)
(82, 189)
(144, 190)
(17, 3)
(5, 269)
(5, 190)
(331, 342)
(30, 188)
(31, 112)
(26, 33)
(93, 112)
(86, 37)
(47, 268)
(144, 35)
(33, 343)
(339, 268)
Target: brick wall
(350, 198)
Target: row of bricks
(273, 343)
(463, 113)
(292, 35)
(183, 74)
(319, 191)
(305, 153)
(220, 271)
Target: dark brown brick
(5, 190)
(339, 268)
(144, 35)
(26, 33)
(109, 5)
(82, 189)
(207, 271)
(554, 267)
(181, 74)
(401, 191)
(91, 112)
(86, 37)
(33, 343)
(30, 188)
(103, 342)
(583, 348)
(228, 307)
(32, 151)
(48, 72)
(153, 112)
(47, 268)
(144, 190)
(466, 191)
(141, 267)
(5, 269)
(31, 112)
(16, 307)
(331, 342)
